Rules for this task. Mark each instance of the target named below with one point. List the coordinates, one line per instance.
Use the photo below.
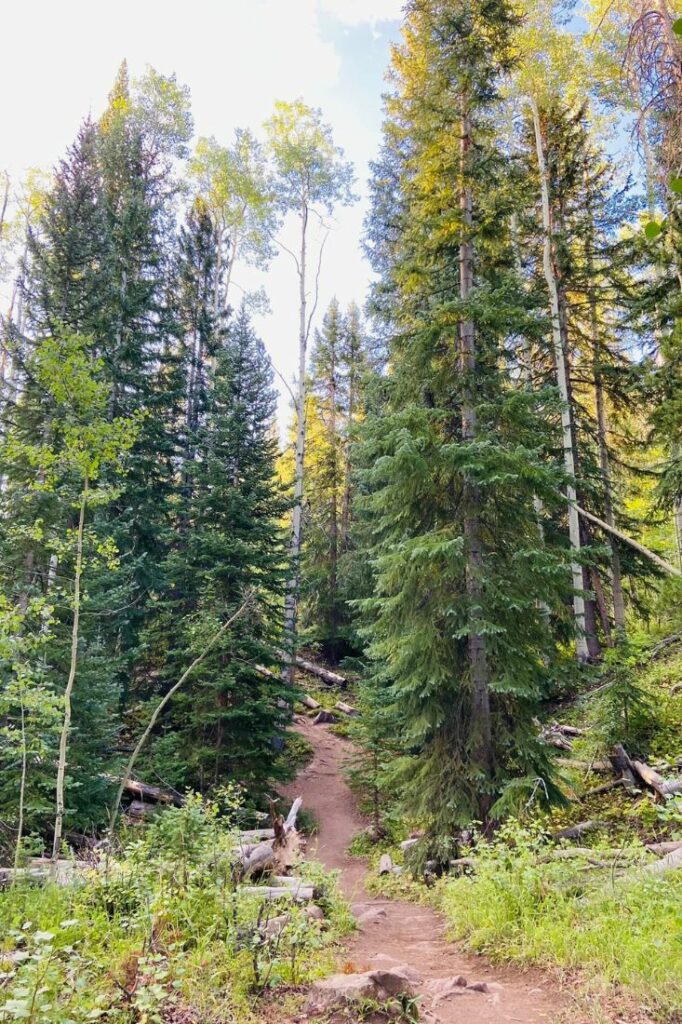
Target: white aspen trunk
(66, 725)
(291, 602)
(478, 655)
(527, 371)
(615, 574)
(562, 380)
(234, 248)
(51, 576)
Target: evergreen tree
(457, 627)
(227, 722)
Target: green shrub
(161, 927)
(624, 930)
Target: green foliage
(310, 169)
(623, 712)
(340, 369)
(426, 477)
(161, 929)
(624, 932)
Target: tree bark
(291, 601)
(334, 509)
(562, 379)
(66, 725)
(22, 785)
(603, 446)
(672, 570)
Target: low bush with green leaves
(161, 932)
(619, 928)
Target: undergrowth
(160, 933)
(622, 930)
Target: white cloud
(59, 60)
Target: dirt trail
(404, 932)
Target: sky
(237, 57)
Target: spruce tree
(227, 723)
(457, 628)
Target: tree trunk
(562, 379)
(478, 659)
(291, 602)
(603, 445)
(66, 725)
(672, 570)
(527, 374)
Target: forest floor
(408, 933)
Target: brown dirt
(408, 933)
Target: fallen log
(598, 790)
(347, 709)
(407, 844)
(141, 811)
(267, 673)
(276, 852)
(304, 893)
(587, 853)
(310, 702)
(149, 794)
(41, 870)
(661, 787)
(671, 862)
(9, 875)
(598, 767)
(252, 835)
(555, 739)
(567, 730)
(325, 718)
(260, 858)
(663, 849)
(668, 567)
(662, 645)
(578, 830)
(462, 862)
(385, 864)
(330, 678)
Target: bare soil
(407, 933)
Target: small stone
(276, 925)
(314, 912)
(372, 916)
(444, 988)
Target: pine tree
(457, 628)
(228, 721)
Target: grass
(625, 933)
(163, 935)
